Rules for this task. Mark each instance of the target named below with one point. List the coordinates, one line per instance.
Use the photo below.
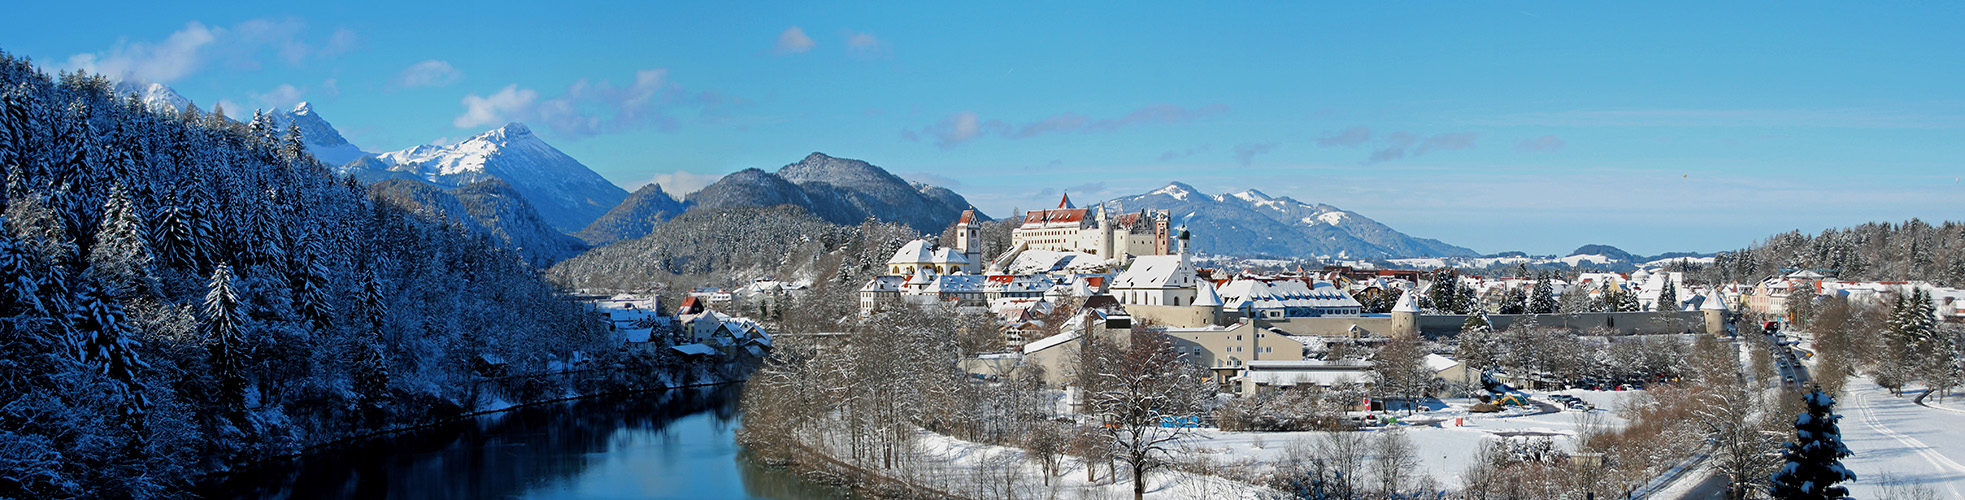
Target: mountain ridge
(565, 192)
(1250, 223)
(838, 190)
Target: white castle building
(1094, 231)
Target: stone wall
(1431, 325)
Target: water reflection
(671, 444)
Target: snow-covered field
(1445, 449)
(1894, 437)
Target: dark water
(672, 444)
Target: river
(678, 444)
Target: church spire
(1065, 202)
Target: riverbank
(699, 378)
(662, 444)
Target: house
(1259, 376)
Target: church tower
(968, 240)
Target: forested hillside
(730, 246)
(186, 293)
(1913, 250)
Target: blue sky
(1493, 125)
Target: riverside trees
(117, 222)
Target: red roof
(968, 217)
(1063, 215)
(1095, 281)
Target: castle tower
(968, 240)
(1105, 250)
(1405, 316)
(1715, 311)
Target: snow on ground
(959, 467)
(1894, 437)
(1444, 448)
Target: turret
(1405, 315)
(1715, 311)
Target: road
(1706, 484)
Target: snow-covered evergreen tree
(223, 329)
(112, 351)
(1542, 297)
(1667, 298)
(119, 262)
(1813, 463)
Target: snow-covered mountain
(322, 139)
(839, 190)
(1251, 223)
(155, 96)
(1603, 257)
(566, 193)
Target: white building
(1094, 231)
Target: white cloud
(281, 97)
(331, 87)
(956, 129)
(592, 108)
(793, 41)
(233, 110)
(190, 49)
(431, 73)
(509, 104)
(863, 44)
(681, 183)
(176, 56)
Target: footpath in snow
(1895, 439)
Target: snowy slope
(1253, 223)
(565, 192)
(322, 139)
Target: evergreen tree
(1813, 463)
(1668, 297)
(1479, 345)
(112, 351)
(292, 149)
(309, 280)
(1514, 301)
(1542, 298)
(1445, 292)
(223, 318)
(119, 262)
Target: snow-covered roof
(1156, 271)
(1049, 342)
(1047, 261)
(637, 334)
(695, 349)
(1439, 363)
(884, 284)
(1407, 303)
(949, 256)
(1205, 294)
(1715, 301)
(914, 252)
